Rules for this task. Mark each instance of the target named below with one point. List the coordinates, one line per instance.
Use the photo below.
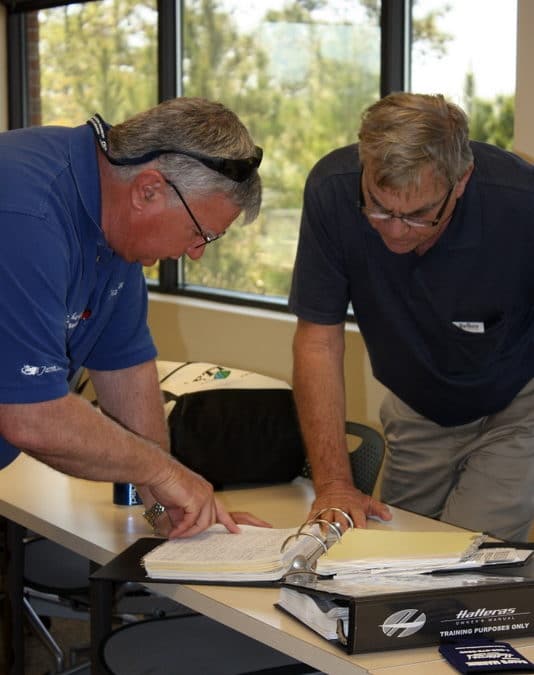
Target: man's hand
(349, 499)
(191, 506)
(189, 501)
(164, 525)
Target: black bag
(232, 435)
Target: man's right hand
(191, 506)
(346, 497)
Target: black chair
(365, 458)
(56, 585)
(190, 646)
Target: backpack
(231, 426)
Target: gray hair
(403, 133)
(194, 124)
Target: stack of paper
(363, 550)
(255, 554)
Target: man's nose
(195, 252)
(396, 226)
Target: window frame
(395, 30)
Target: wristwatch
(153, 513)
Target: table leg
(101, 609)
(4, 617)
(14, 617)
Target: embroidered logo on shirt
(72, 320)
(39, 370)
(115, 291)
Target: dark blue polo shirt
(67, 300)
(410, 308)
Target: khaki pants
(478, 475)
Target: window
(92, 57)
(299, 78)
(475, 68)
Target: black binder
(502, 605)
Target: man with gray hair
(431, 237)
(82, 210)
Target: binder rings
(444, 609)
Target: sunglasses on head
(237, 170)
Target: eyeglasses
(412, 221)
(237, 170)
(206, 235)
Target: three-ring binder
(329, 527)
(257, 556)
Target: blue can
(125, 494)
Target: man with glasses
(431, 238)
(81, 211)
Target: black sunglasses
(237, 170)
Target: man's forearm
(133, 398)
(72, 436)
(318, 385)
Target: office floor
(38, 660)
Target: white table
(81, 516)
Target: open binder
(257, 555)
(318, 549)
(262, 556)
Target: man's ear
(463, 180)
(147, 190)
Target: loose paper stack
(364, 550)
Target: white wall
(524, 101)
(253, 339)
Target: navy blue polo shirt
(67, 300)
(412, 309)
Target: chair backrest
(365, 459)
(190, 644)
(51, 568)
